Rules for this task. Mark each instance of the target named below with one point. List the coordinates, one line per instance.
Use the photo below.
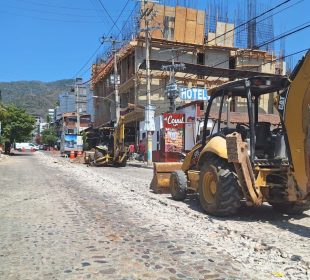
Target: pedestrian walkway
(137, 163)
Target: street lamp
(105, 98)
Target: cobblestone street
(67, 221)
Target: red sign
(173, 120)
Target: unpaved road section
(67, 221)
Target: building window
(201, 58)
(200, 61)
(169, 28)
(232, 62)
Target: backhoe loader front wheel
(291, 208)
(219, 191)
(178, 185)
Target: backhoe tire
(291, 208)
(219, 191)
(123, 163)
(178, 185)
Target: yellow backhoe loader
(248, 154)
(113, 150)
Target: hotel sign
(194, 94)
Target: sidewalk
(3, 156)
(136, 163)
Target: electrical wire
(86, 63)
(263, 19)
(101, 43)
(290, 32)
(254, 18)
(243, 24)
(99, 15)
(92, 56)
(55, 6)
(275, 39)
(44, 11)
(297, 52)
(179, 55)
(110, 17)
(48, 19)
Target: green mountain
(34, 96)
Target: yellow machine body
(296, 119)
(283, 181)
(117, 155)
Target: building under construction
(209, 45)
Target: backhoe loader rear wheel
(291, 208)
(178, 185)
(219, 191)
(123, 163)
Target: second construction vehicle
(112, 150)
(248, 154)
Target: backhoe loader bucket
(161, 178)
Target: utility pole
(78, 82)
(116, 78)
(148, 15)
(172, 88)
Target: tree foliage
(34, 96)
(3, 113)
(17, 124)
(49, 136)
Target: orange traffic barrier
(72, 155)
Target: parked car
(26, 146)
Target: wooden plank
(191, 14)
(190, 32)
(210, 39)
(169, 11)
(201, 15)
(180, 24)
(200, 34)
(158, 22)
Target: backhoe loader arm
(293, 105)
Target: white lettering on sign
(174, 122)
(281, 103)
(194, 94)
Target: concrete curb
(140, 165)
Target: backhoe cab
(249, 154)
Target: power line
(297, 52)
(245, 23)
(47, 19)
(92, 56)
(118, 18)
(272, 61)
(107, 12)
(263, 19)
(55, 6)
(44, 11)
(97, 49)
(103, 19)
(178, 55)
(266, 43)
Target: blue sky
(52, 39)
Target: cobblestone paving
(53, 229)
